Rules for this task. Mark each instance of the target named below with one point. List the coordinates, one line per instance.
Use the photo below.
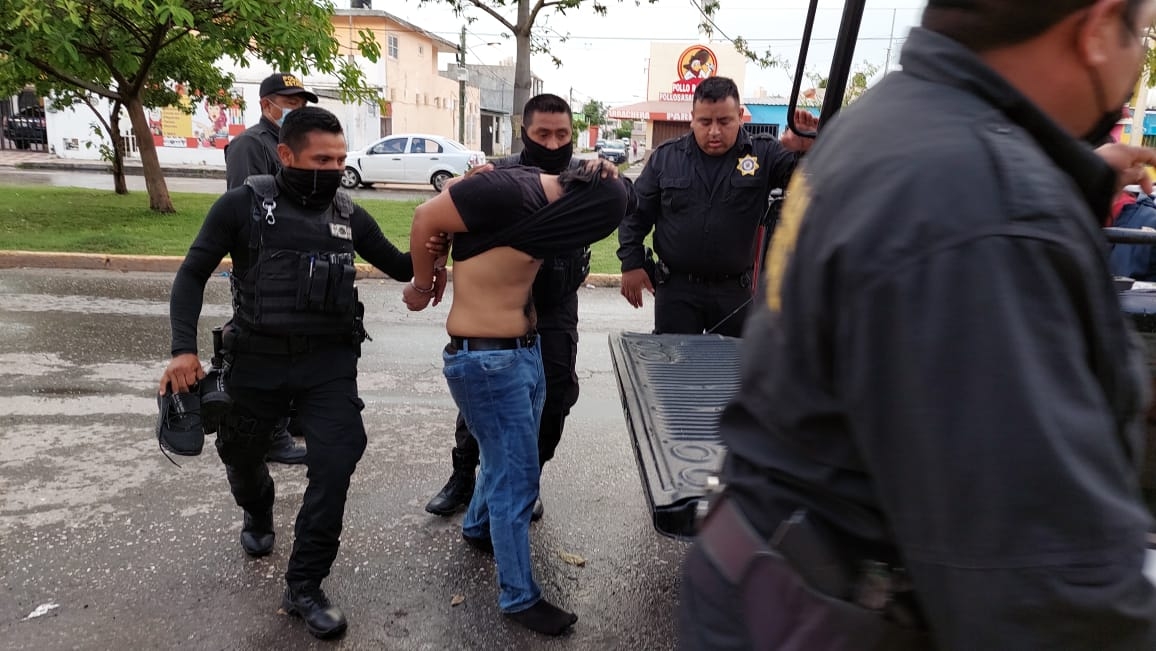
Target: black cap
(283, 83)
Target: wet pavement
(120, 549)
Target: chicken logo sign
(696, 63)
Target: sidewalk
(34, 160)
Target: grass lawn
(75, 220)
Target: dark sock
(544, 617)
(481, 543)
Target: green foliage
(74, 220)
(856, 84)
(122, 48)
(594, 112)
(138, 53)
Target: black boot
(458, 491)
(284, 449)
(257, 534)
(308, 601)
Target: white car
(409, 158)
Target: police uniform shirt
(252, 152)
(226, 231)
(941, 366)
(704, 223)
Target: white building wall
(199, 139)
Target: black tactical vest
(301, 280)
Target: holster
(216, 403)
(790, 605)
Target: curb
(134, 170)
(170, 264)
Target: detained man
(504, 223)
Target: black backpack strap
(344, 205)
(264, 188)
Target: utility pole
(1140, 102)
(890, 42)
(462, 88)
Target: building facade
(496, 103)
(675, 70)
(414, 98)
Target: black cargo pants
(321, 381)
(558, 332)
(684, 304)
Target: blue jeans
(500, 394)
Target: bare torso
(492, 289)
(492, 294)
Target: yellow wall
(421, 100)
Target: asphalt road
(120, 549)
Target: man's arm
(781, 163)
(641, 215)
(434, 217)
(371, 244)
(218, 234)
(993, 449)
(638, 224)
(244, 157)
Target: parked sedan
(614, 152)
(409, 158)
(26, 128)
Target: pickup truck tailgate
(673, 389)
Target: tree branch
(70, 79)
(495, 14)
(150, 55)
(542, 4)
(99, 115)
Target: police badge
(748, 165)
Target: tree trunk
(159, 199)
(118, 182)
(522, 80)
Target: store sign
(696, 63)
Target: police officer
(936, 439)
(704, 194)
(255, 152)
(547, 139)
(295, 335)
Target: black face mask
(1101, 132)
(550, 161)
(313, 188)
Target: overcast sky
(605, 57)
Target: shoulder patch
(786, 236)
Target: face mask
(550, 161)
(284, 113)
(1101, 132)
(313, 188)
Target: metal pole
(890, 42)
(462, 88)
